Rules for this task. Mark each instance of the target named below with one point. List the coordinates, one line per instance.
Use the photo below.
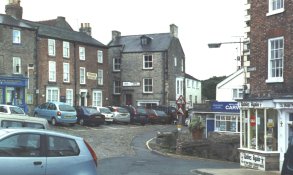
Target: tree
(209, 87)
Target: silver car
(107, 113)
(44, 152)
(120, 115)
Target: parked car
(89, 116)
(16, 121)
(137, 114)
(35, 152)
(56, 112)
(169, 110)
(157, 116)
(120, 115)
(107, 113)
(10, 109)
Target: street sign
(180, 100)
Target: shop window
(272, 130)
(244, 118)
(226, 123)
(260, 130)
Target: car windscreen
(91, 110)
(161, 113)
(123, 110)
(21, 124)
(66, 108)
(16, 110)
(105, 110)
(141, 111)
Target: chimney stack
(115, 34)
(174, 30)
(85, 28)
(14, 9)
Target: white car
(10, 109)
(107, 113)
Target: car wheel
(81, 122)
(54, 122)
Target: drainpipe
(36, 67)
(75, 74)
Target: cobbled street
(110, 140)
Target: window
(52, 71)
(100, 56)
(100, 77)
(97, 98)
(147, 85)
(276, 6)
(275, 60)
(147, 62)
(81, 53)
(237, 94)
(60, 147)
(179, 86)
(188, 83)
(52, 94)
(82, 75)
(260, 129)
(16, 36)
(227, 123)
(117, 87)
(66, 49)
(69, 97)
(175, 61)
(51, 47)
(21, 145)
(16, 65)
(116, 64)
(66, 72)
(182, 65)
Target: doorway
(129, 100)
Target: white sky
(199, 22)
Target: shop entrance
(128, 99)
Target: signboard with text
(225, 107)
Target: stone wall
(220, 146)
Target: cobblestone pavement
(110, 140)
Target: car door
(63, 157)
(42, 110)
(21, 154)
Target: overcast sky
(199, 22)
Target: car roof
(6, 131)
(9, 105)
(21, 118)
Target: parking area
(109, 140)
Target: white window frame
(51, 47)
(81, 53)
(237, 93)
(100, 77)
(148, 64)
(116, 87)
(66, 72)
(271, 61)
(82, 75)
(100, 56)
(16, 36)
(182, 65)
(116, 65)
(16, 61)
(69, 96)
(66, 49)
(97, 98)
(272, 4)
(52, 94)
(145, 86)
(175, 61)
(52, 71)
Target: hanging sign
(252, 120)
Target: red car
(157, 116)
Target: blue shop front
(12, 91)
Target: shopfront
(12, 91)
(266, 127)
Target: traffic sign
(180, 100)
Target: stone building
(267, 111)
(62, 64)
(146, 70)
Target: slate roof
(190, 77)
(9, 20)
(132, 43)
(51, 31)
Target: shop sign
(225, 107)
(270, 123)
(129, 84)
(285, 105)
(252, 120)
(252, 161)
(91, 76)
(250, 104)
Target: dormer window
(145, 40)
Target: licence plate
(68, 117)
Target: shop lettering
(256, 104)
(253, 158)
(252, 104)
(286, 105)
(232, 107)
(245, 104)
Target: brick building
(267, 111)
(65, 65)
(146, 69)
